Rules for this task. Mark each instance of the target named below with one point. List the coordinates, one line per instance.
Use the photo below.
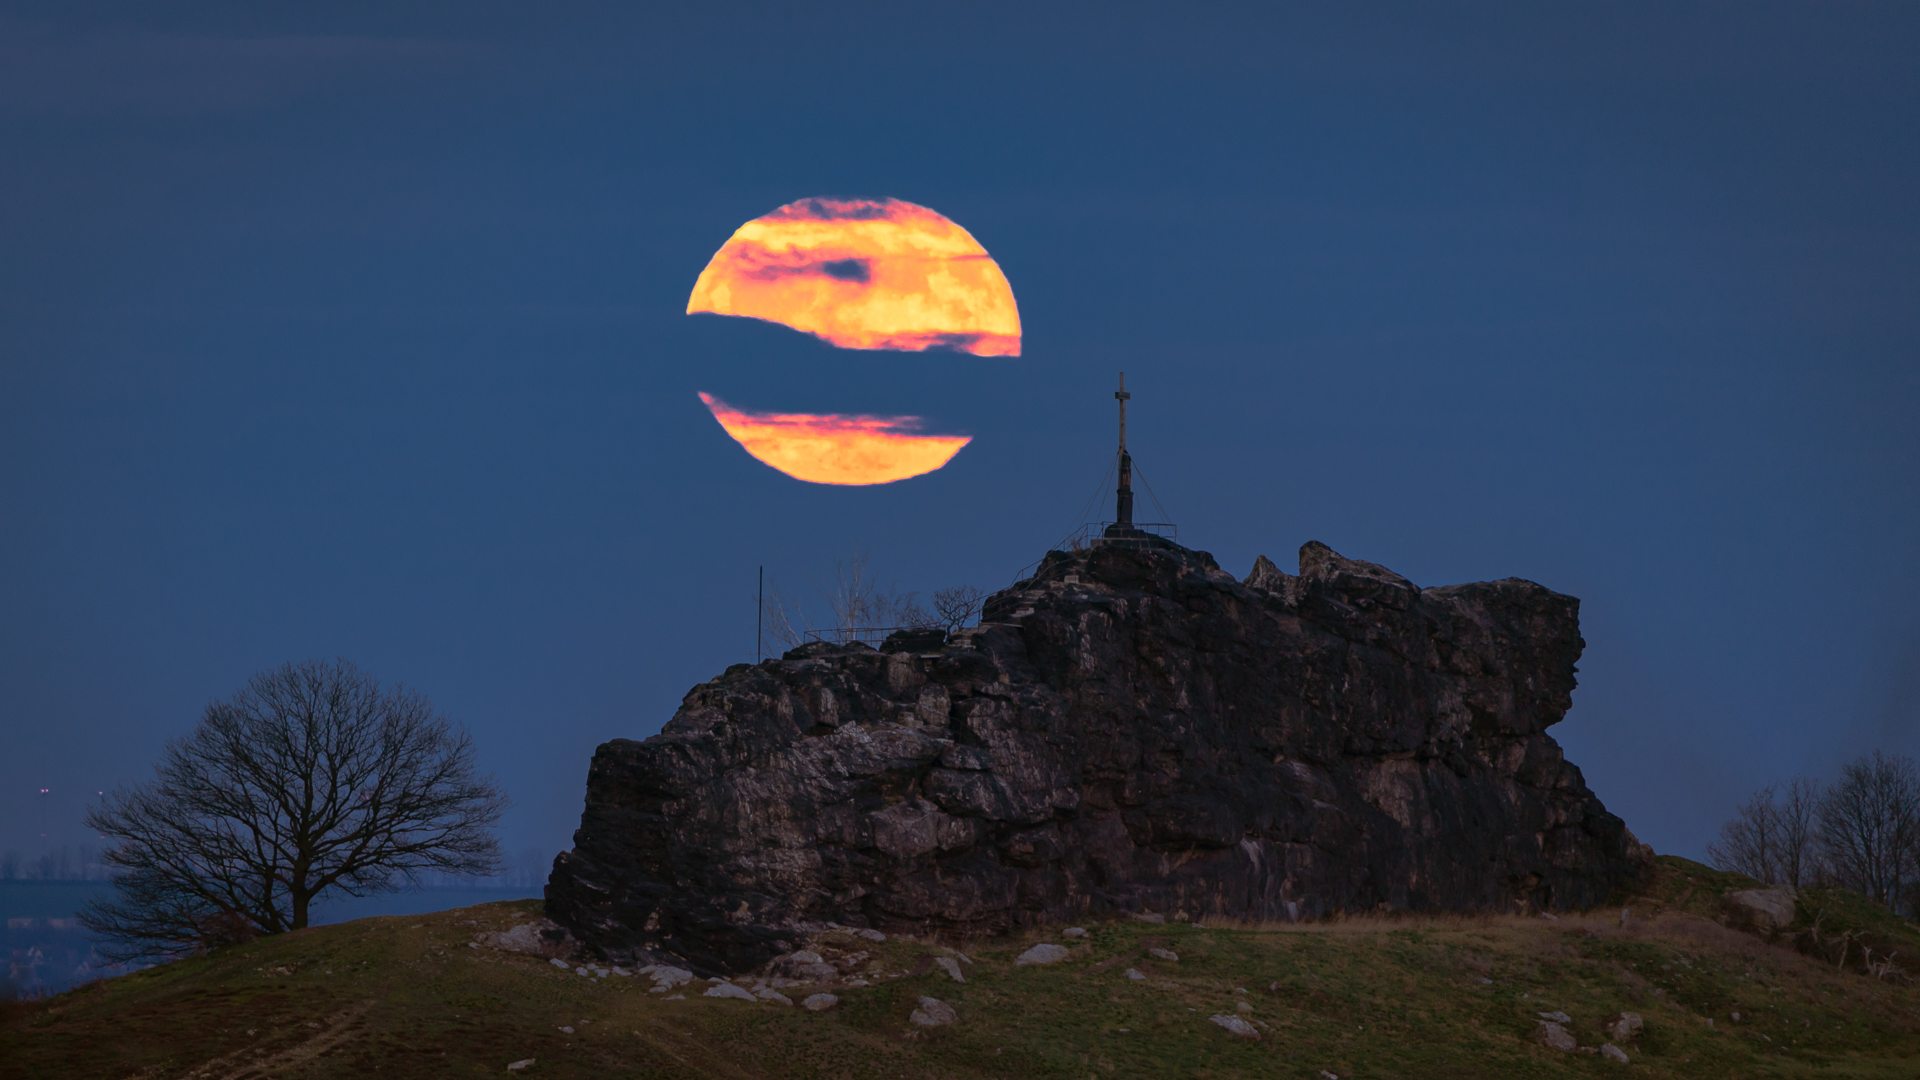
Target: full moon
(864, 274)
(834, 449)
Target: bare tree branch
(958, 607)
(1869, 825)
(313, 781)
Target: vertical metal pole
(1123, 500)
(759, 616)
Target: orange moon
(864, 274)
(834, 449)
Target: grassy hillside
(1359, 997)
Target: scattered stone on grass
(1613, 1053)
(772, 997)
(1134, 974)
(934, 1013)
(561, 964)
(542, 937)
(728, 990)
(819, 1002)
(1043, 953)
(566, 1031)
(1235, 1026)
(951, 966)
(1554, 1037)
(521, 1064)
(1625, 1027)
(1243, 1006)
(1168, 955)
(1074, 931)
(1556, 1016)
(1148, 916)
(666, 976)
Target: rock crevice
(1128, 730)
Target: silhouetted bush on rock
(1129, 730)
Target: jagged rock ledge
(1128, 730)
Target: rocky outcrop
(1129, 730)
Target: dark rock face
(1130, 729)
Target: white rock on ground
(1613, 1053)
(1243, 1006)
(1769, 909)
(819, 1002)
(870, 935)
(1556, 1017)
(1168, 955)
(521, 1064)
(772, 997)
(561, 964)
(951, 966)
(1134, 974)
(1074, 931)
(666, 976)
(566, 1031)
(934, 1013)
(1043, 953)
(1148, 916)
(1235, 1026)
(1626, 1026)
(1554, 1037)
(529, 938)
(728, 990)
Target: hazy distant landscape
(48, 951)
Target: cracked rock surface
(1128, 730)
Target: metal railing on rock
(905, 637)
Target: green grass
(1358, 997)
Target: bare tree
(787, 622)
(1798, 815)
(1772, 835)
(312, 781)
(855, 600)
(534, 866)
(1870, 825)
(859, 601)
(958, 607)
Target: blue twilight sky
(355, 330)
